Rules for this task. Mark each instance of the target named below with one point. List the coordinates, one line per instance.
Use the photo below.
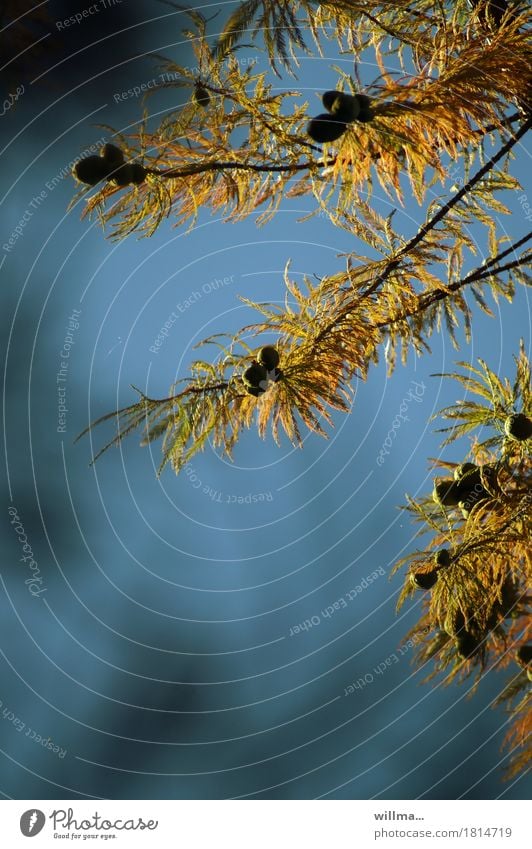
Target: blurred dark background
(156, 660)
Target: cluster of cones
(342, 109)
(469, 635)
(466, 489)
(262, 371)
(470, 485)
(110, 165)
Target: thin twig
(228, 165)
(242, 166)
(393, 264)
(474, 277)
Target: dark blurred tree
(459, 105)
(25, 40)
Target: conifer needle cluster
(460, 101)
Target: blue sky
(161, 656)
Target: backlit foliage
(248, 148)
(456, 103)
(486, 587)
(329, 331)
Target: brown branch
(229, 96)
(430, 225)
(242, 166)
(475, 276)
(202, 167)
(483, 275)
(506, 122)
(509, 250)
(302, 166)
(388, 30)
(194, 390)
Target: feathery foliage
(477, 614)
(457, 101)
